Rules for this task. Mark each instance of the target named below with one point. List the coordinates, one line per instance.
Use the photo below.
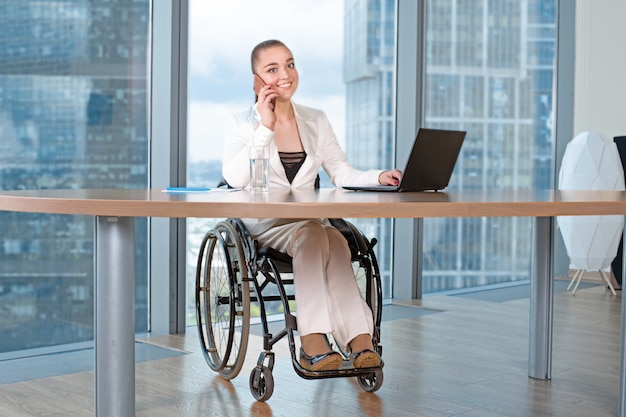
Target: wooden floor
(468, 360)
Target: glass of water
(259, 168)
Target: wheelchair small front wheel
(371, 382)
(261, 383)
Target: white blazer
(320, 144)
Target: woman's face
(276, 66)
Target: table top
(315, 203)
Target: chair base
(578, 276)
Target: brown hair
(254, 56)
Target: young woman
(301, 141)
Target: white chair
(591, 162)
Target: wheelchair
(232, 272)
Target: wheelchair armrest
(269, 252)
(281, 260)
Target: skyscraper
(489, 67)
(73, 97)
(369, 74)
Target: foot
(316, 354)
(361, 342)
(329, 361)
(363, 354)
(365, 359)
(315, 344)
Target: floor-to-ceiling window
(73, 114)
(346, 69)
(370, 84)
(489, 68)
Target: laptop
(430, 163)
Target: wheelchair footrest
(346, 370)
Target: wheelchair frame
(232, 271)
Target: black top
(292, 161)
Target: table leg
(621, 402)
(541, 299)
(115, 317)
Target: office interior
(119, 75)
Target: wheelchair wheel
(261, 383)
(223, 300)
(371, 382)
(366, 278)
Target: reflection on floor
(44, 366)
(512, 292)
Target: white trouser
(327, 296)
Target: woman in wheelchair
(301, 141)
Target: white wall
(600, 73)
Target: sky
(221, 37)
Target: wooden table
(115, 210)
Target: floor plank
(469, 359)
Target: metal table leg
(541, 302)
(115, 317)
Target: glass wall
(73, 114)
(370, 85)
(490, 66)
(347, 70)
(489, 69)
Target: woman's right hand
(266, 99)
(391, 177)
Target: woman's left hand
(391, 177)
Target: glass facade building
(73, 114)
(489, 69)
(369, 76)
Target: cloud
(223, 33)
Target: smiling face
(275, 66)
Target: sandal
(329, 361)
(366, 358)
